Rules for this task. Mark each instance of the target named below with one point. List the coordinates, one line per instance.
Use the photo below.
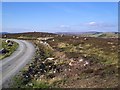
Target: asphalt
(11, 65)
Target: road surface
(13, 64)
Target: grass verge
(11, 49)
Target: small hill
(28, 35)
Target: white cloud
(100, 25)
(92, 23)
(64, 26)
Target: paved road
(13, 64)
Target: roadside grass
(11, 49)
(19, 81)
(0, 44)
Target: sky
(59, 16)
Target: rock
(61, 35)
(81, 60)
(42, 66)
(69, 69)
(10, 44)
(30, 84)
(73, 36)
(3, 51)
(7, 41)
(4, 36)
(77, 37)
(85, 39)
(41, 42)
(50, 59)
(42, 76)
(70, 64)
(81, 47)
(86, 63)
(65, 70)
(53, 40)
(85, 55)
(38, 72)
(110, 43)
(35, 75)
(54, 71)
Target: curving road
(13, 64)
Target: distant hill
(29, 35)
(4, 33)
(78, 33)
(92, 34)
(33, 35)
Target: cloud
(89, 26)
(64, 26)
(100, 25)
(92, 23)
(15, 30)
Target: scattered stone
(70, 64)
(62, 35)
(65, 70)
(110, 43)
(53, 40)
(77, 37)
(113, 46)
(54, 71)
(81, 60)
(41, 42)
(73, 36)
(81, 47)
(50, 58)
(85, 39)
(86, 63)
(30, 84)
(69, 69)
(85, 55)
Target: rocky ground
(72, 62)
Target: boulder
(3, 51)
(10, 44)
(7, 41)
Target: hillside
(71, 62)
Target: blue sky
(59, 16)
